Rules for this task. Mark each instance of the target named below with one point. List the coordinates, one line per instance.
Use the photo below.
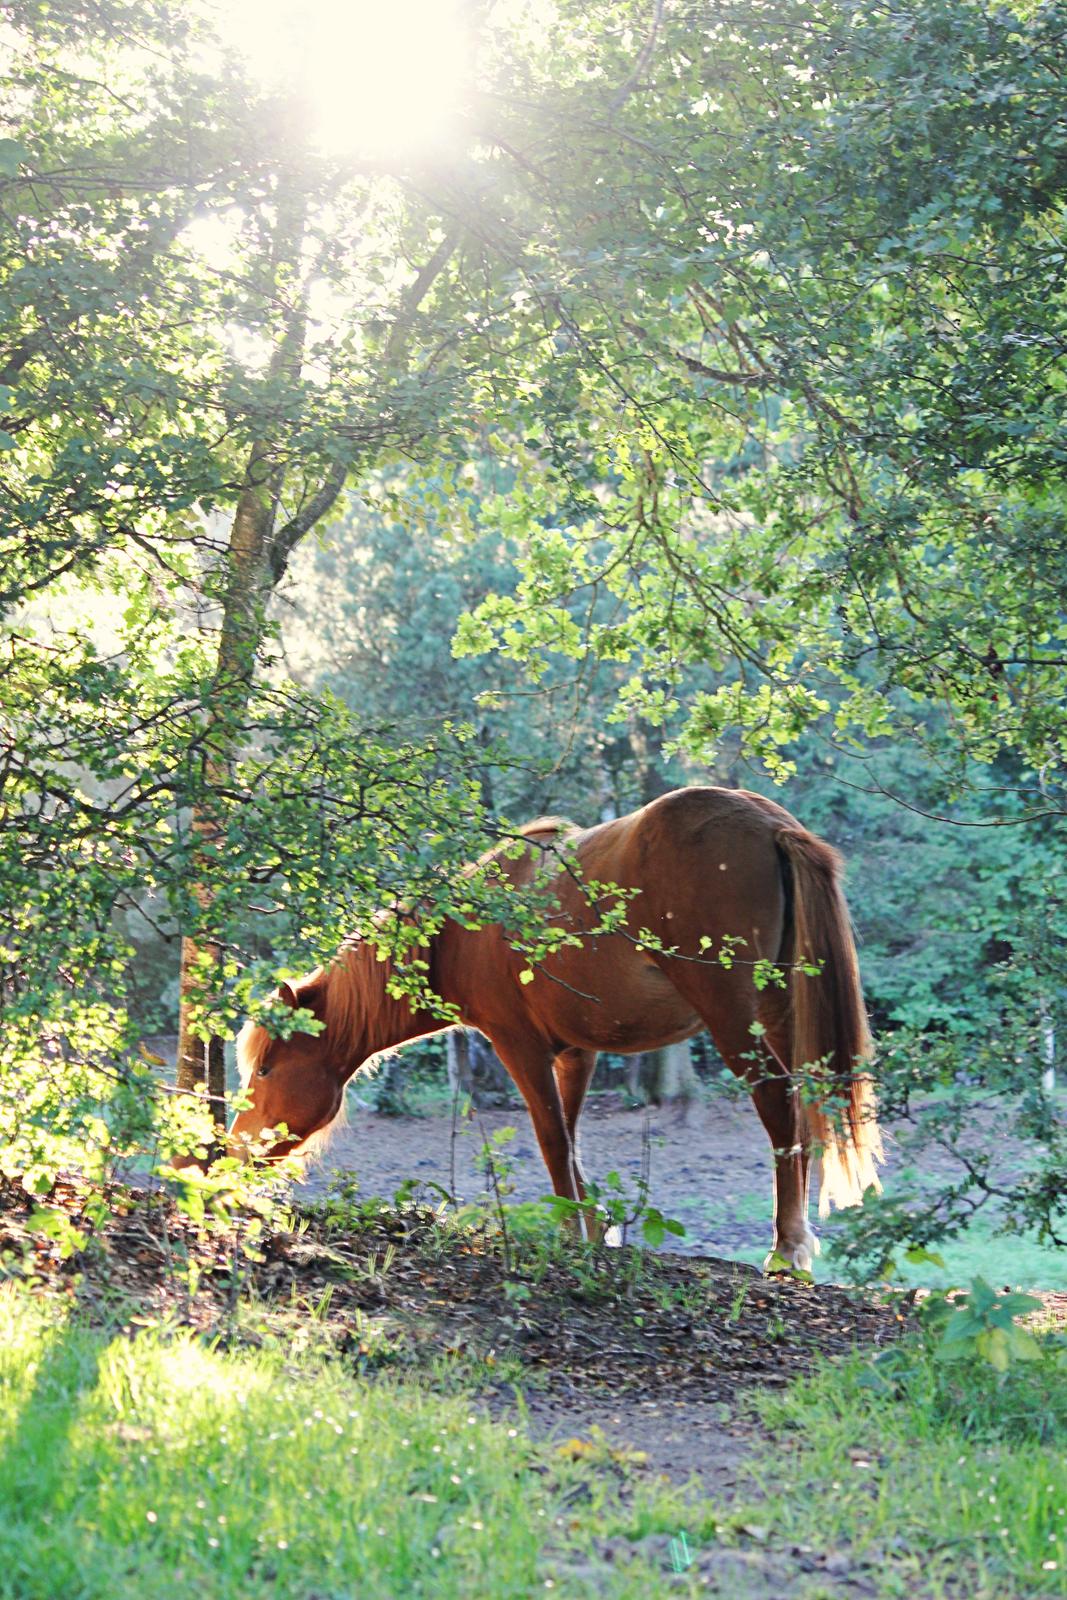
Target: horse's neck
(393, 1022)
(388, 1020)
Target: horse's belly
(611, 1005)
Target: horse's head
(292, 1083)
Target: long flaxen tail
(831, 1042)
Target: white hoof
(799, 1257)
(803, 1259)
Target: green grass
(948, 1477)
(1018, 1260)
(980, 1252)
(153, 1463)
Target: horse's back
(697, 864)
(664, 851)
(700, 828)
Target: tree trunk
(244, 604)
(458, 1056)
(248, 585)
(646, 744)
(663, 1076)
(475, 1069)
(256, 558)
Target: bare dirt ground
(708, 1163)
(709, 1167)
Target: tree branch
(415, 294)
(289, 535)
(745, 377)
(626, 89)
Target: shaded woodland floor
(402, 1290)
(708, 1166)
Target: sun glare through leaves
(373, 80)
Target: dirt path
(709, 1168)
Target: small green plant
(54, 1223)
(622, 1209)
(737, 1304)
(981, 1323)
(496, 1161)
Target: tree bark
(475, 1069)
(646, 744)
(663, 1076)
(248, 585)
(199, 1061)
(256, 559)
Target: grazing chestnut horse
(716, 865)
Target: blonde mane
(351, 992)
(252, 1044)
(343, 1028)
(350, 995)
(357, 1000)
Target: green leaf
(654, 1230)
(993, 1344)
(1021, 1305)
(919, 1256)
(12, 156)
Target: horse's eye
(264, 1071)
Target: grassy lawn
(157, 1464)
(949, 1478)
(1001, 1258)
(980, 1251)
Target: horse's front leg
(574, 1072)
(574, 1069)
(530, 1064)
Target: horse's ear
(287, 995)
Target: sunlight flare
(375, 80)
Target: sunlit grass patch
(948, 1473)
(1003, 1258)
(155, 1463)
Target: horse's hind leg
(794, 1242)
(757, 1061)
(729, 1011)
(791, 1187)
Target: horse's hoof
(796, 1265)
